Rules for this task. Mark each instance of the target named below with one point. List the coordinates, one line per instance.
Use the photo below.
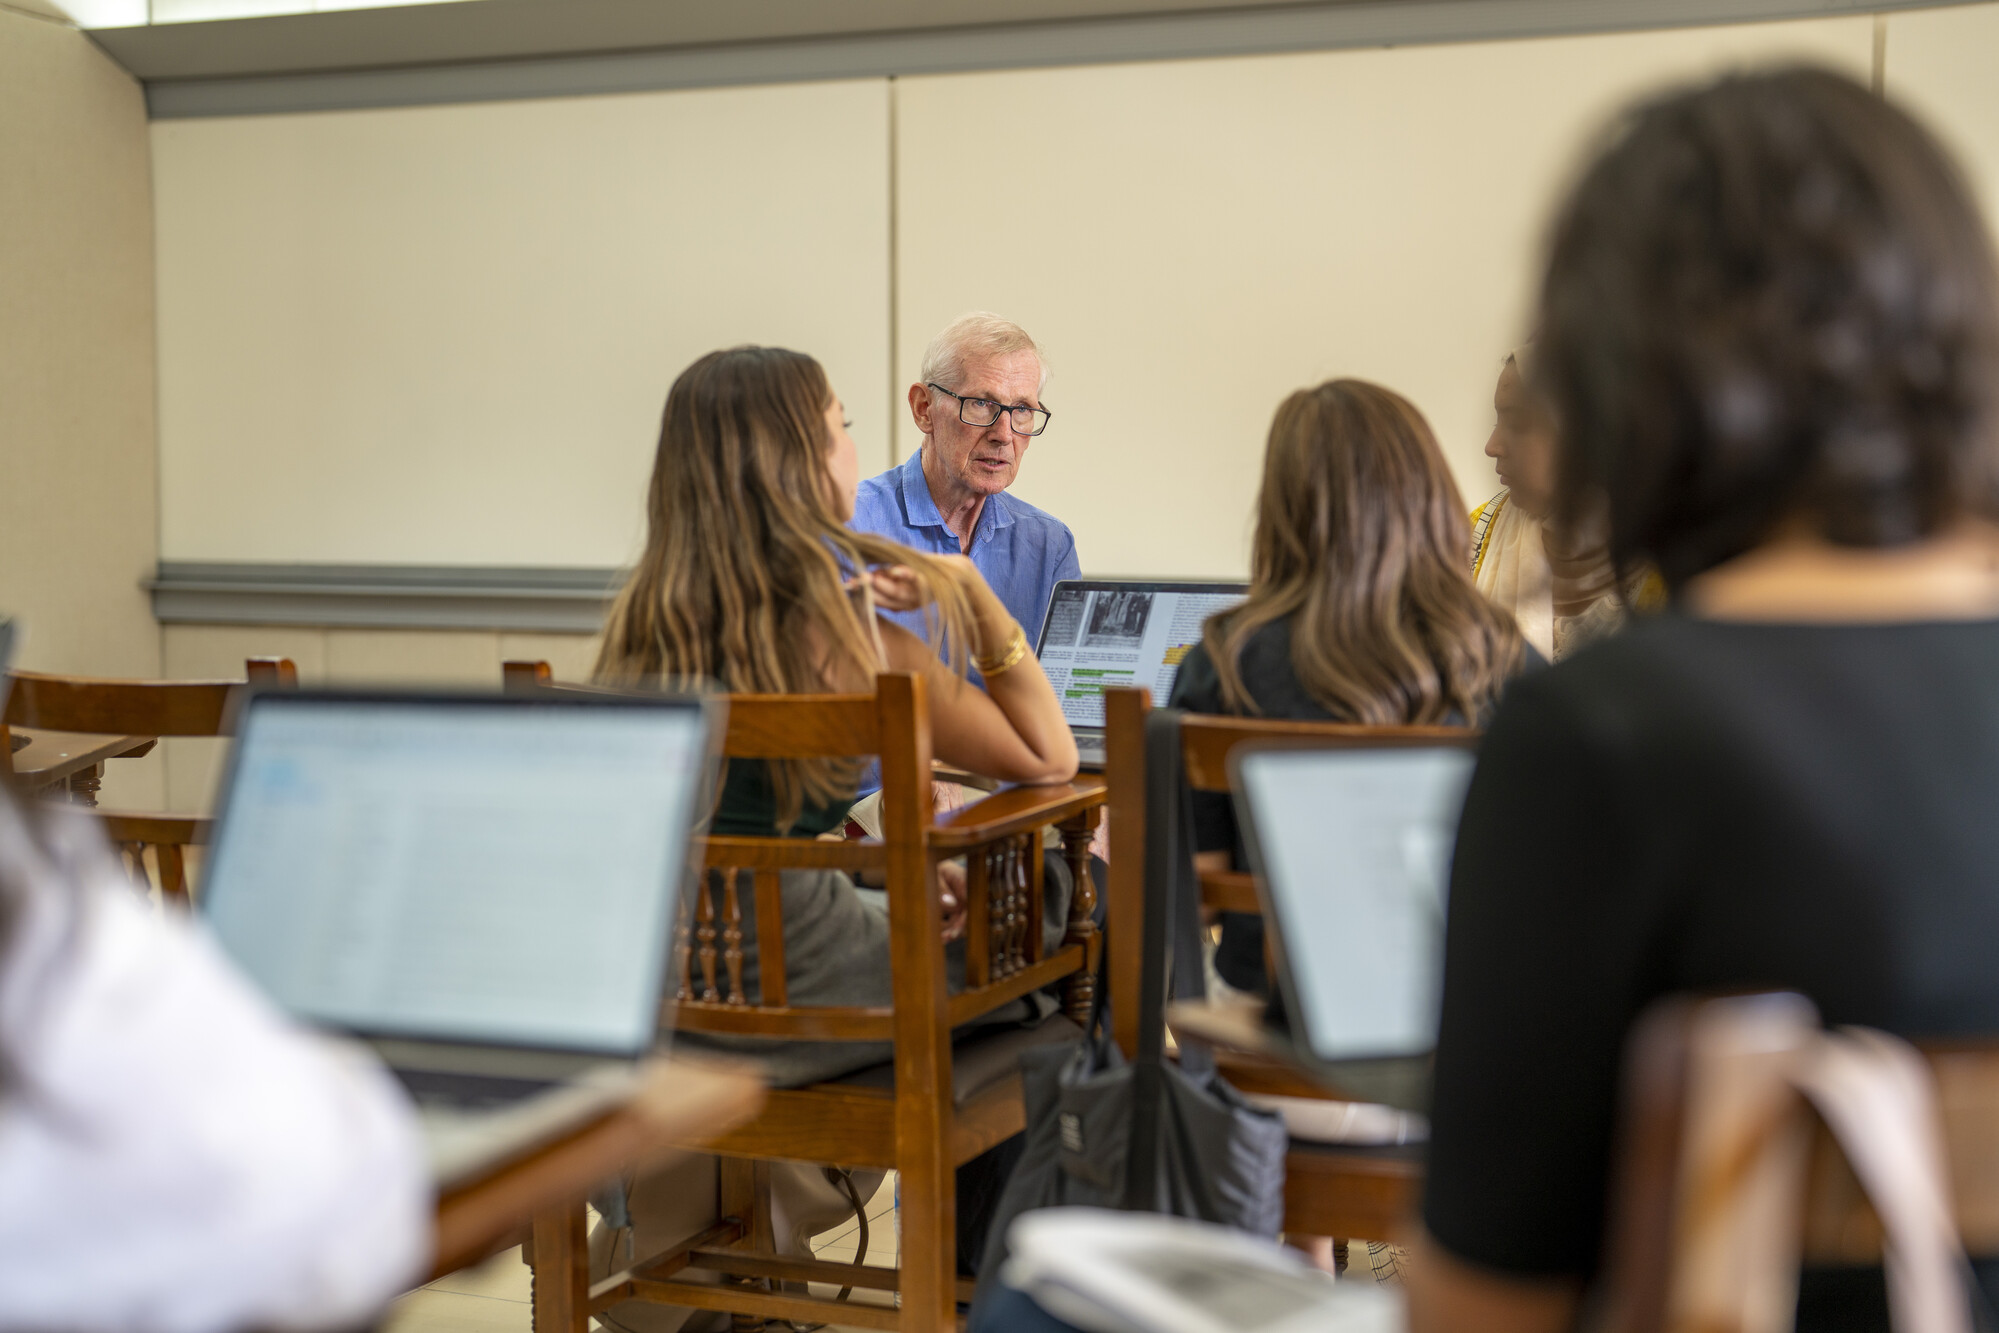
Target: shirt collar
(923, 512)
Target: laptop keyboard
(472, 1092)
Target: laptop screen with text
(459, 869)
(1113, 634)
(1353, 849)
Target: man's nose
(1492, 449)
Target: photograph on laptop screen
(1101, 636)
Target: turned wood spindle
(704, 931)
(995, 911)
(1081, 993)
(1024, 854)
(732, 935)
(683, 950)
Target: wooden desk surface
(681, 1105)
(50, 757)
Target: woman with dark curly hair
(1770, 337)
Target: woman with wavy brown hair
(752, 582)
(1360, 608)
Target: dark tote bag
(1147, 1135)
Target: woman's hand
(895, 587)
(951, 896)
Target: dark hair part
(1361, 539)
(1770, 299)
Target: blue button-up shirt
(1022, 551)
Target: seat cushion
(978, 1060)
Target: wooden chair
(938, 1105)
(1726, 1179)
(143, 711)
(1330, 1189)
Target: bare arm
(1447, 1295)
(1012, 730)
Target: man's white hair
(974, 337)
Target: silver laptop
(1352, 853)
(1109, 633)
(481, 887)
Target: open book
(1113, 1272)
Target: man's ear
(919, 407)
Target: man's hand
(951, 897)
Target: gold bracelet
(1007, 658)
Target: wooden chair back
(105, 707)
(151, 708)
(1726, 1179)
(1004, 955)
(1005, 958)
(1207, 744)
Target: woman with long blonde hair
(1361, 607)
(752, 582)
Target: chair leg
(745, 1190)
(561, 1268)
(928, 1257)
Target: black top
(1267, 675)
(1271, 681)
(1699, 806)
(747, 807)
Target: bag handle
(1171, 948)
(1877, 1096)
(1172, 927)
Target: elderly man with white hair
(979, 406)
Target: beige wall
(1941, 62)
(443, 335)
(1207, 236)
(77, 491)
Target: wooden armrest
(135, 826)
(1015, 810)
(793, 854)
(943, 772)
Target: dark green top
(748, 808)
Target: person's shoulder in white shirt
(175, 1154)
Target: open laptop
(480, 887)
(1108, 633)
(1352, 853)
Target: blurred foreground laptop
(1114, 633)
(1352, 853)
(480, 887)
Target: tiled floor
(493, 1298)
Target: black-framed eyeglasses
(1025, 420)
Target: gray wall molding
(1330, 26)
(551, 600)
